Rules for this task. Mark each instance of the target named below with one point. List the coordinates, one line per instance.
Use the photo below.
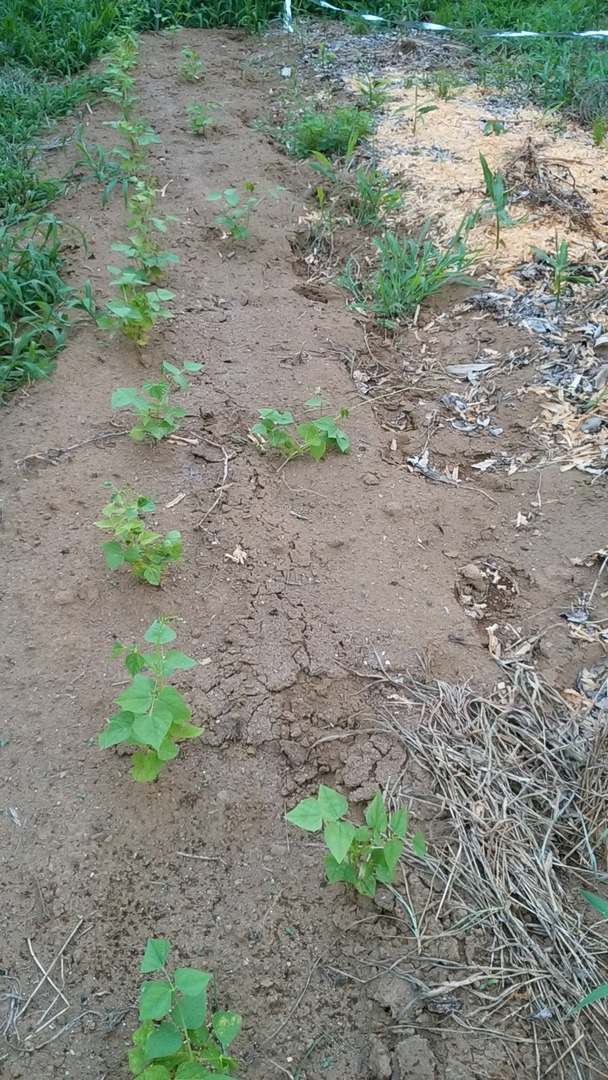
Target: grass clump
(333, 132)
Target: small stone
(413, 1059)
(393, 509)
(379, 1061)
(371, 480)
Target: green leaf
(117, 730)
(155, 955)
(134, 662)
(167, 749)
(174, 660)
(140, 1035)
(185, 731)
(152, 574)
(190, 1070)
(398, 822)
(418, 845)
(154, 1000)
(159, 632)
(136, 1059)
(137, 698)
(392, 851)
(127, 395)
(226, 1026)
(155, 1072)
(598, 994)
(375, 814)
(164, 1041)
(339, 871)
(145, 767)
(306, 815)
(338, 836)
(331, 804)
(191, 982)
(596, 902)
(366, 884)
(113, 554)
(189, 1012)
(192, 365)
(317, 449)
(174, 702)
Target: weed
(151, 712)
(104, 168)
(418, 111)
(137, 310)
(410, 271)
(498, 197)
(444, 82)
(186, 1044)
(279, 431)
(329, 132)
(361, 855)
(599, 129)
(138, 134)
(373, 91)
(493, 127)
(200, 117)
(235, 219)
(558, 262)
(191, 66)
(601, 991)
(374, 199)
(155, 417)
(146, 553)
(326, 56)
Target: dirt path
(348, 560)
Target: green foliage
(444, 82)
(34, 299)
(137, 310)
(368, 197)
(200, 116)
(599, 129)
(177, 1040)
(155, 416)
(493, 127)
(599, 992)
(238, 209)
(332, 132)
(361, 855)
(417, 111)
(146, 553)
(146, 254)
(151, 712)
(559, 264)
(409, 271)
(191, 66)
(278, 431)
(373, 91)
(107, 169)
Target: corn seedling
(417, 111)
(498, 197)
(493, 127)
(326, 56)
(191, 66)
(146, 553)
(562, 273)
(177, 1039)
(373, 91)
(279, 431)
(410, 271)
(137, 310)
(601, 991)
(154, 416)
(362, 855)
(151, 712)
(105, 168)
(200, 116)
(238, 209)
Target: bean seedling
(279, 431)
(361, 855)
(235, 219)
(151, 712)
(146, 553)
(373, 91)
(150, 406)
(137, 310)
(191, 66)
(185, 1044)
(200, 116)
(147, 255)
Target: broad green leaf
(418, 845)
(366, 884)
(185, 731)
(117, 730)
(226, 1026)
(173, 700)
(339, 871)
(167, 750)
(306, 815)
(598, 994)
(317, 449)
(338, 836)
(191, 1070)
(116, 650)
(152, 728)
(136, 1059)
(596, 902)
(192, 365)
(155, 1072)
(191, 982)
(145, 767)
(137, 698)
(134, 662)
(174, 660)
(190, 1012)
(275, 416)
(159, 632)
(164, 294)
(331, 804)
(154, 1000)
(141, 1033)
(398, 822)
(164, 1041)
(314, 403)
(392, 853)
(152, 575)
(342, 441)
(127, 395)
(375, 814)
(155, 955)
(113, 553)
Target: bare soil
(351, 563)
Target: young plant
(146, 553)
(559, 265)
(176, 1039)
(147, 255)
(328, 132)
(137, 310)
(235, 219)
(498, 197)
(601, 991)
(200, 116)
(139, 136)
(373, 91)
(155, 416)
(418, 111)
(191, 66)
(105, 168)
(493, 127)
(599, 129)
(410, 271)
(373, 199)
(361, 855)
(151, 712)
(279, 431)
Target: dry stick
(220, 494)
(203, 858)
(60, 450)
(565, 1054)
(48, 971)
(49, 980)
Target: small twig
(45, 973)
(222, 487)
(203, 858)
(54, 452)
(49, 969)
